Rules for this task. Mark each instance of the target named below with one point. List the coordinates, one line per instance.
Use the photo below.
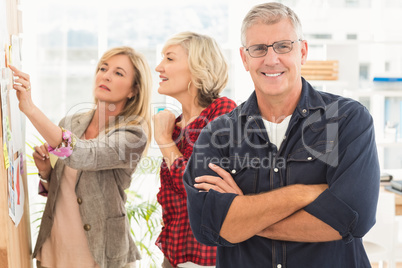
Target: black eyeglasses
(280, 47)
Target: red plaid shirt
(176, 240)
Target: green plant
(29, 158)
(38, 216)
(144, 214)
(144, 218)
(36, 208)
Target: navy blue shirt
(330, 139)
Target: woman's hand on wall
(22, 85)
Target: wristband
(42, 179)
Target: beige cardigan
(105, 166)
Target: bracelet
(42, 179)
(66, 147)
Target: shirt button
(276, 169)
(87, 227)
(279, 266)
(233, 171)
(304, 111)
(309, 158)
(79, 200)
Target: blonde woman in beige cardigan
(84, 223)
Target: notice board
(15, 234)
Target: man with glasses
(290, 178)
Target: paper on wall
(19, 187)
(15, 51)
(16, 194)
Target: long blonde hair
(137, 109)
(207, 64)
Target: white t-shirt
(276, 132)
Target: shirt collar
(310, 99)
(250, 106)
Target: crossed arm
(256, 215)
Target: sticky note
(5, 153)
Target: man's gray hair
(270, 13)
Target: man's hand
(223, 184)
